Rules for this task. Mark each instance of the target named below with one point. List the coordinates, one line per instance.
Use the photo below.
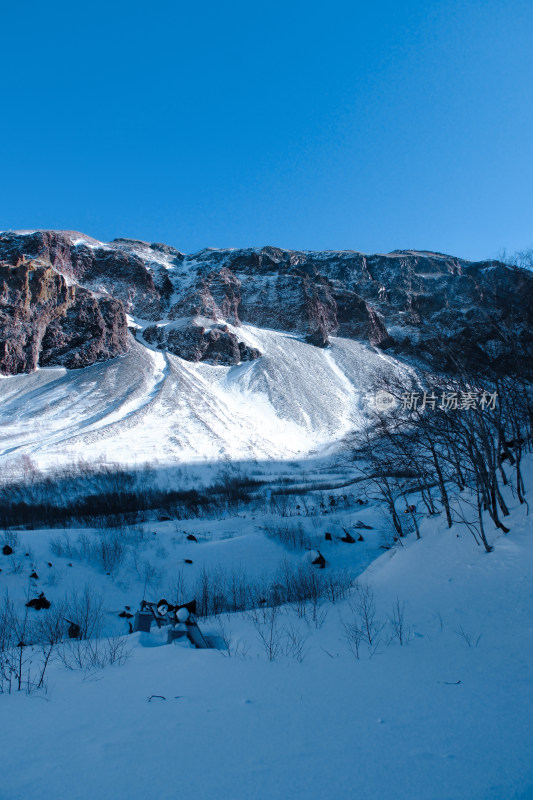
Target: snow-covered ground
(446, 716)
(152, 407)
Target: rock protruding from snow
(450, 312)
(44, 321)
(215, 344)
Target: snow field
(149, 406)
(445, 717)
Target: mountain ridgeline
(68, 300)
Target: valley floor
(444, 717)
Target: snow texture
(445, 717)
(150, 406)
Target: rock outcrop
(45, 321)
(449, 312)
(117, 268)
(215, 344)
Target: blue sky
(318, 125)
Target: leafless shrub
(93, 654)
(26, 646)
(399, 629)
(318, 614)
(150, 574)
(294, 643)
(117, 651)
(269, 632)
(470, 639)
(50, 630)
(296, 583)
(218, 591)
(105, 549)
(16, 564)
(210, 592)
(363, 626)
(337, 585)
(239, 590)
(366, 609)
(61, 546)
(352, 633)
(109, 549)
(73, 653)
(293, 537)
(85, 609)
(84, 548)
(277, 639)
(178, 591)
(233, 648)
(15, 649)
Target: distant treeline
(81, 495)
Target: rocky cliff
(46, 321)
(65, 298)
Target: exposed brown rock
(217, 345)
(445, 310)
(118, 270)
(44, 321)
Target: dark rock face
(93, 329)
(45, 321)
(217, 345)
(430, 306)
(116, 269)
(216, 295)
(449, 312)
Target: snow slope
(150, 406)
(445, 717)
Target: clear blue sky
(316, 125)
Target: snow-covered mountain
(229, 353)
(353, 652)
